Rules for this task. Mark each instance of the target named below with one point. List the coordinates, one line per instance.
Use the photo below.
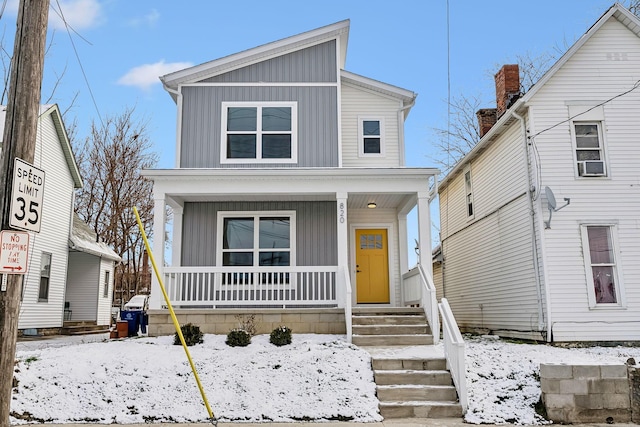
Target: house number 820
(341, 209)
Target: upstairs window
(370, 137)
(264, 133)
(107, 283)
(601, 264)
(590, 156)
(468, 192)
(45, 274)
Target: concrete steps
(407, 387)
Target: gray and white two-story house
(290, 193)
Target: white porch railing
(418, 288)
(454, 352)
(347, 305)
(255, 286)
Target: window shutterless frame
(588, 143)
(371, 137)
(259, 132)
(468, 192)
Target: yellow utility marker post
(174, 318)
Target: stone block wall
(221, 321)
(586, 393)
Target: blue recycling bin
(132, 317)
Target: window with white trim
(468, 192)
(45, 275)
(107, 280)
(263, 239)
(589, 146)
(259, 132)
(370, 136)
(601, 264)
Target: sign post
(26, 196)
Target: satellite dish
(551, 199)
(552, 205)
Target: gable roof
(338, 31)
(407, 97)
(83, 239)
(617, 11)
(65, 144)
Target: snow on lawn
(317, 377)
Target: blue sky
(123, 46)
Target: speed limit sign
(26, 196)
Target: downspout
(178, 95)
(401, 111)
(532, 226)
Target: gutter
(178, 96)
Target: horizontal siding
(377, 217)
(359, 102)
(312, 64)
(316, 239)
(103, 316)
(202, 115)
(83, 286)
(489, 274)
(607, 65)
(53, 238)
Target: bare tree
(110, 160)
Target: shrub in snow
(280, 336)
(191, 333)
(238, 338)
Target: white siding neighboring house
(44, 287)
(510, 265)
(90, 276)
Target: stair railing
(347, 305)
(454, 352)
(429, 302)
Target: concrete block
(196, 319)
(574, 386)
(557, 415)
(601, 386)
(586, 371)
(555, 371)
(622, 386)
(290, 318)
(616, 401)
(272, 318)
(550, 385)
(613, 371)
(559, 401)
(589, 401)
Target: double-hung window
(589, 146)
(45, 275)
(468, 192)
(256, 239)
(259, 133)
(602, 265)
(370, 137)
(107, 283)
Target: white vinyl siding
(57, 207)
(83, 286)
(358, 104)
(607, 65)
(104, 304)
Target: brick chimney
(507, 87)
(487, 117)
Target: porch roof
(395, 188)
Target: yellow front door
(372, 266)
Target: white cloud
(79, 14)
(145, 76)
(149, 19)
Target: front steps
(408, 386)
(82, 328)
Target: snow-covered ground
(317, 377)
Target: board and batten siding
(358, 102)
(377, 218)
(202, 123)
(608, 64)
(316, 230)
(83, 286)
(57, 207)
(312, 64)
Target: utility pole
(19, 141)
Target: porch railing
(454, 351)
(418, 288)
(256, 286)
(347, 305)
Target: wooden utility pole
(19, 140)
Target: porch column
(342, 241)
(424, 232)
(156, 299)
(176, 244)
(404, 244)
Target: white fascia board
(338, 31)
(293, 181)
(377, 86)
